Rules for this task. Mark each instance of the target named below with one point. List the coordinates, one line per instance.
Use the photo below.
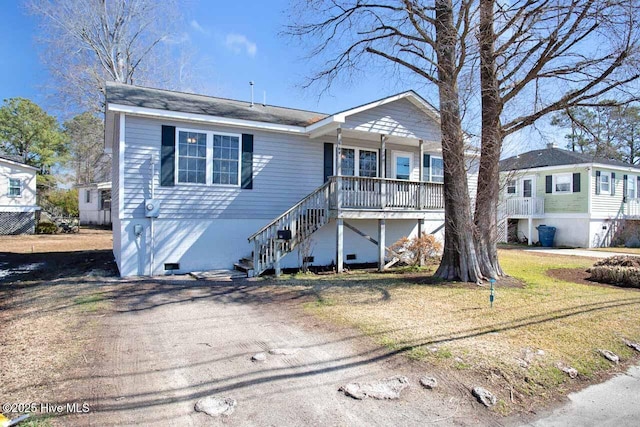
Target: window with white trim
(605, 183)
(87, 196)
(562, 183)
(631, 187)
(512, 187)
(15, 187)
(192, 157)
(366, 166)
(226, 159)
(437, 169)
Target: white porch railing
(354, 192)
(632, 208)
(524, 206)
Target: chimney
(551, 145)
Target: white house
(589, 200)
(17, 196)
(94, 203)
(199, 182)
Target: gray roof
(12, 158)
(136, 96)
(555, 157)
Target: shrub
(417, 250)
(617, 270)
(46, 228)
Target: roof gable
(555, 157)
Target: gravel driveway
(169, 344)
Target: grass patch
(91, 303)
(440, 323)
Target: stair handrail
(613, 228)
(320, 189)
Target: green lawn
(453, 327)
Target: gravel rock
(572, 372)
(633, 345)
(609, 355)
(259, 357)
(216, 405)
(484, 396)
(387, 388)
(284, 351)
(429, 382)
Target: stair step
(245, 267)
(246, 260)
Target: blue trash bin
(546, 235)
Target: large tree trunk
(486, 213)
(459, 260)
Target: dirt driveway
(169, 343)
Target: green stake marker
(492, 296)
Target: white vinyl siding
(605, 204)
(286, 168)
(17, 186)
(399, 118)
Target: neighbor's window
(512, 186)
(562, 183)
(87, 196)
(631, 187)
(226, 159)
(15, 187)
(192, 157)
(605, 184)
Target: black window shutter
(625, 183)
(597, 182)
(613, 184)
(548, 184)
(168, 156)
(247, 161)
(426, 173)
(328, 161)
(576, 182)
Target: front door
(402, 167)
(528, 193)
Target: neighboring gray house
(200, 182)
(17, 196)
(588, 200)
(94, 203)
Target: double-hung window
(192, 157)
(512, 187)
(562, 183)
(605, 184)
(15, 187)
(631, 187)
(433, 170)
(206, 157)
(226, 159)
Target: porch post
(421, 188)
(339, 245)
(381, 243)
(383, 156)
(529, 237)
(339, 169)
(383, 170)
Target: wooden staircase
(302, 220)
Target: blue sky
(235, 42)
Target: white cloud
(196, 26)
(238, 43)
